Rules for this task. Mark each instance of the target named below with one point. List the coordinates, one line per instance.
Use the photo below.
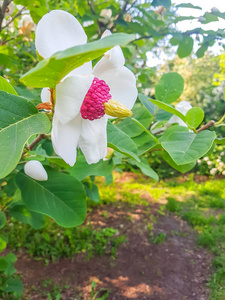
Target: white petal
(56, 31)
(70, 95)
(112, 59)
(183, 107)
(85, 69)
(176, 119)
(93, 139)
(65, 138)
(45, 95)
(122, 85)
(35, 170)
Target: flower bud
(35, 170)
(215, 10)
(115, 109)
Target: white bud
(202, 19)
(183, 107)
(35, 170)
(215, 10)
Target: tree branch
(39, 138)
(17, 15)
(3, 10)
(206, 126)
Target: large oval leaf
(19, 119)
(61, 197)
(82, 169)
(121, 142)
(6, 86)
(169, 88)
(186, 147)
(50, 71)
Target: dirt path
(170, 267)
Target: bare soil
(175, 269)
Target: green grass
(54, 242)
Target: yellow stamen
(115, 109)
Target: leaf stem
(145, 129)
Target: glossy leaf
(191, 146)
(169, 87)
(169, 109)
(145, 168)
(61, 197)
(121, 142)
(144, 143)
(82, 169)
(50, 71)
(194, 116)
(92, 191)
(22, 214)
(6, 86)
(185, 47)
(181, 168)
(141, 114)
(19, 119)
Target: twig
(39, 138)
(3, 10)
(17, 15)
(206, 126)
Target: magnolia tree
(50, 150)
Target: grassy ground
(201, 204)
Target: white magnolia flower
(9, 9)
(183, 107)
(35, 170)
(82, 96)
(106, 15)
(26, 25)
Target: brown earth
(175, 269)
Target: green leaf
(22, 214)
(19, 119)
(220, 141)
(181, 168)
(82, 169)
(61, 197)
(185, 47)
(2, 219)
(6, 86)
(141, 114)
(188, 5)
(11, 259)
(187, 147)
(92, 192)
(50, 71)
(201, 51)
(209, 18)
(194, 116)
(170, 130)
(144, 143)
(14, 285)
(145, 168)
(121, 142)
(169, 109)
(169, 88)
(3, 242)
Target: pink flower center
(93, 107)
